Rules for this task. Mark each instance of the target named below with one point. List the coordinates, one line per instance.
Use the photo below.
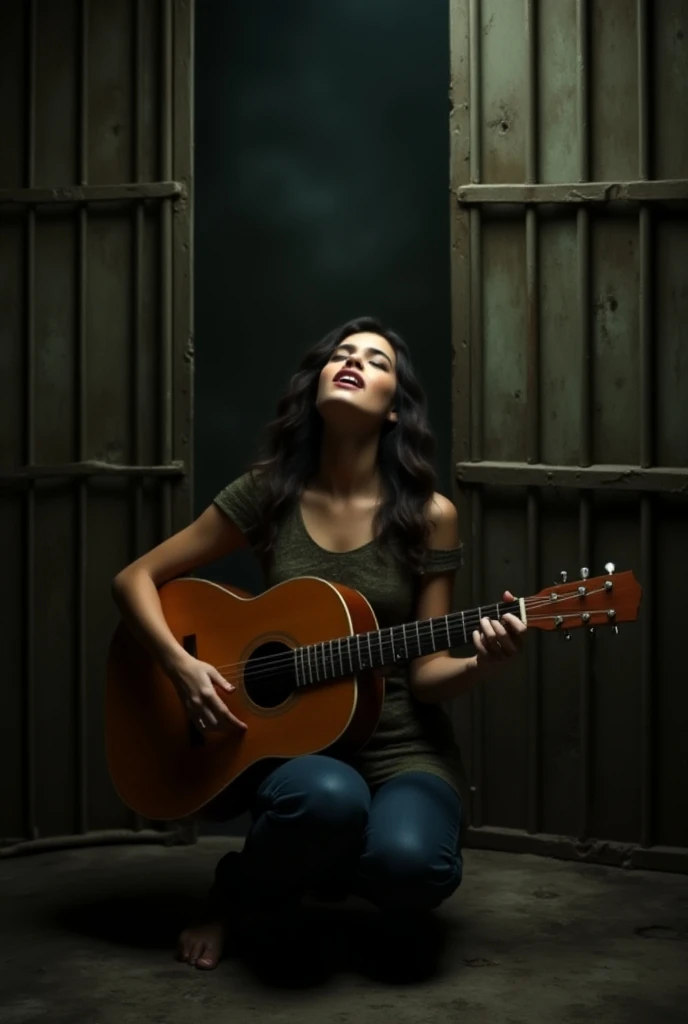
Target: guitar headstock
(590, 601)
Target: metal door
(570, 306)
(95, 377)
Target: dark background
(321, 193)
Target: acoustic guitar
(305, 658)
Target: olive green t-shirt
(410, 736)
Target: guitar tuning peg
(567, 635)
(615, 630)
(584, 573)
(564, 575)
(609, 567)
(592, 631)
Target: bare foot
(201, 945)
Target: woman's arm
(135, 589)
(439, 677)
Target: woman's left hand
(498, 641)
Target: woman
(346, 493)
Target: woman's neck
(348, 466)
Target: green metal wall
(570, 306)
(95, 376)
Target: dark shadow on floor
(300, 950)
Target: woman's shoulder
(241, 499)
(444, 550)
(443, 522)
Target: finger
(517, 629)
(225, 717)
(508, 597)
(219, 680)
(514, 624)
(478, 643)
(237, 723)
(208, 719)
(506, 644)
(199, 712)
(487, 629)
(491, 638)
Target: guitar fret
(463, 626)
(446, 625)
(418, 640)
(341, 660)
(380, 654)
(370, 651)
(432, 635)
(384, 637)
(403, 632)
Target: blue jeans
(316, 826)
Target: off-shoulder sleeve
(239, 500)
(443, 559)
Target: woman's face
(359, 382)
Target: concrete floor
(86, 938)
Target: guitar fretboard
(396, 645)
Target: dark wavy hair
(291, 451)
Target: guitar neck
(396, 645)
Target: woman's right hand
(196, 681)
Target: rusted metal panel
(577, 193)
(94, 451)
(569, 234)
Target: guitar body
(162, 766)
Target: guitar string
(272, 664)
(425, 631)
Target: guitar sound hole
(269, 677)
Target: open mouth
(349, 379)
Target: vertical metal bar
(646, 362)
(476, 340)
(533, 326)
(29, 702)
(583, 229)
(478, 807)
(138, 288)
(182, 234)
(647, 665)
(585, 342)
(166, 340)
(533, 392)
(81, 765)
(476, 303)
(138, 272)
(166, 271)
(534, 670)
(586, 707)
(647, 422)
(460, 281)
